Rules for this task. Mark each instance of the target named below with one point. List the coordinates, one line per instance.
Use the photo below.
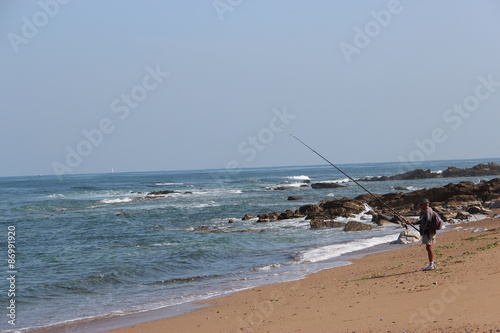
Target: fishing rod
(352, 179)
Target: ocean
(96, 245)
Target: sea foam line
(336, 250)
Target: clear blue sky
(88, 85)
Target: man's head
(424, 203)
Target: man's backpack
(436, 222)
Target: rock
(295, 197)
(321, 224)
(161, 192)
(475, 209)
(287, 214)
(282, 188)
(495, 205)
(408, 237)
(490, 169)
(268, 217)
(248, 217)
(230, 221)
(381, 219)
(311, 211)
(461, 215)
(447, 216)
(202, 228)
(357, 226)
(402, 188)
(496, 216)
(326, 185)
(341, 207)
(122, 214)
(461, 201)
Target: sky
(87, 86)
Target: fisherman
(427, 218)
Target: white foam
(56, 195)
(336, 250)
(439, 171)
(266, 268)
(167, 184)
(118, 200)
(335, 181)
(301, 177)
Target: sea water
(96, 245)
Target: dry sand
(382, 292)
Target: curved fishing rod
(352, 179)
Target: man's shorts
(428, 239)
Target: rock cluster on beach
(453, 202)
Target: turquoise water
(95, 244)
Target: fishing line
(353, 180)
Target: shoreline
(374, 278)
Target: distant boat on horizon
(112, 170)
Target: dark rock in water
(202, 228)
(161, 192)
(282, 188)
(330, 209)
(357, 226)
(381, 219)
(268, 217)
(248, 217)
(289, 214)
(122, 214)
(490, 169)
(295, 197)
(326, 185)
(321, 224)
(230, 221)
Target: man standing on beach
(427, 216)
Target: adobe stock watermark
(429, 313)
(30, 27)
(223, 6)
(364, 36)
(120, 106)
(454, 118)
(253, 144)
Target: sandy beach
(382, 292)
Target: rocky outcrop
(447, 198)
(357, 226)
(326, 185)
(453, 202)
(321, 224)
(330, 209)
(248, 217)
(295, 197)
(490, 169)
